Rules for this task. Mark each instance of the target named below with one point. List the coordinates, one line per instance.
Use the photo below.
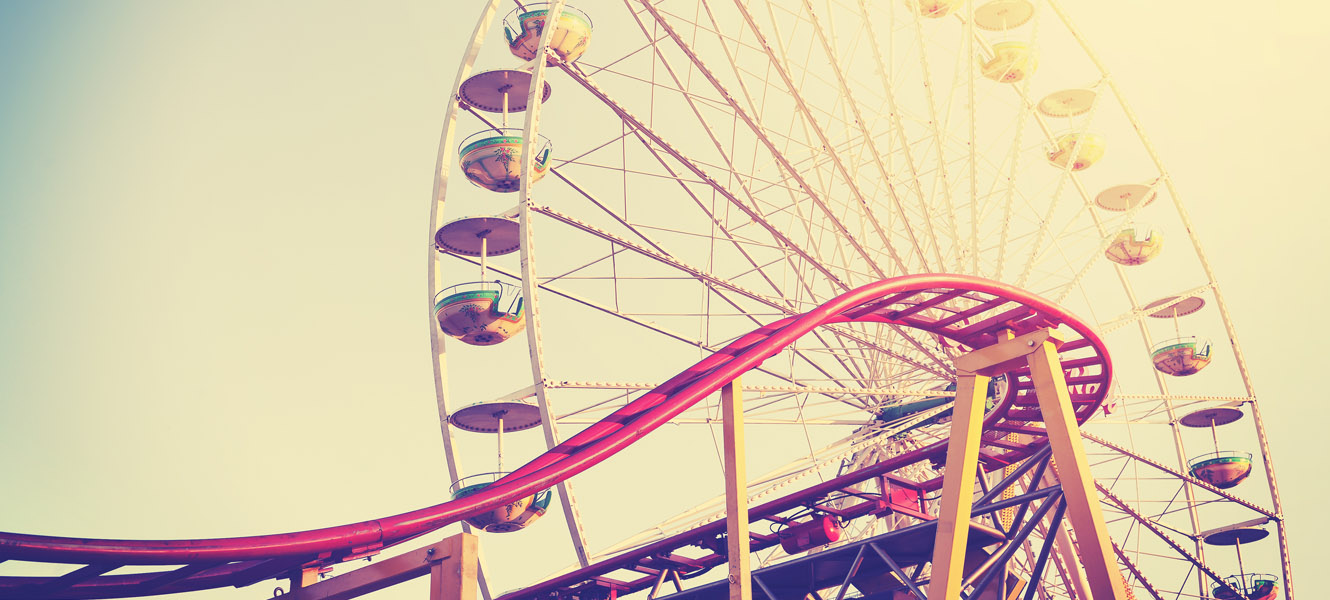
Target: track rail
(962, 311)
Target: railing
(1193, 463)
(1249, 583)
(1201, 344)
(481, 479)
(502, 134)
(504, 290)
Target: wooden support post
(454, 578)
(1087, 519)
(953, 521)
(736, 491)
(452, 565)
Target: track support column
(953, 520)
(1096, 553)
(1039, 350)
(454, 577)
(736, 492)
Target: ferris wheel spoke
(1046, 222)
(782, 66)
(714, 29)
(712, 103)
(972, 109)
(937, 129)
(719, 224)
(1155, 529)
(1009, 195)
(870, 145)
(1136, 315)
(897, 126)
(750, 211)
(759, 132)
(1176, 475)
(654, 328)
(1135, 571)
(1024, 110)
(725, 284)
(606, 67)
(710, 281)
(693, 271)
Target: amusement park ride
(883, 243)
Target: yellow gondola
(1182, 356)
(1256, 586)
(1135, 245)
(493, 159)
(1087, 147)
(523, 27)
(1011, 62)
(1222, 469)
(480, 313)
(514, 516)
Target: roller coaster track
(961, 311)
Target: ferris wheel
(636, 186)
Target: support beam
(1096, 553)
(1005, 355)
(736, 492)
(958, 487)
(455, 577)
(451, 564)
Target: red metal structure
(967, 313)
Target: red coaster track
(969, 314)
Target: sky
(213, 222)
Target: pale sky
(214, 221)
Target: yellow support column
(736, 491)
(1096, 554)
(953, 521)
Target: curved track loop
(955, 310)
